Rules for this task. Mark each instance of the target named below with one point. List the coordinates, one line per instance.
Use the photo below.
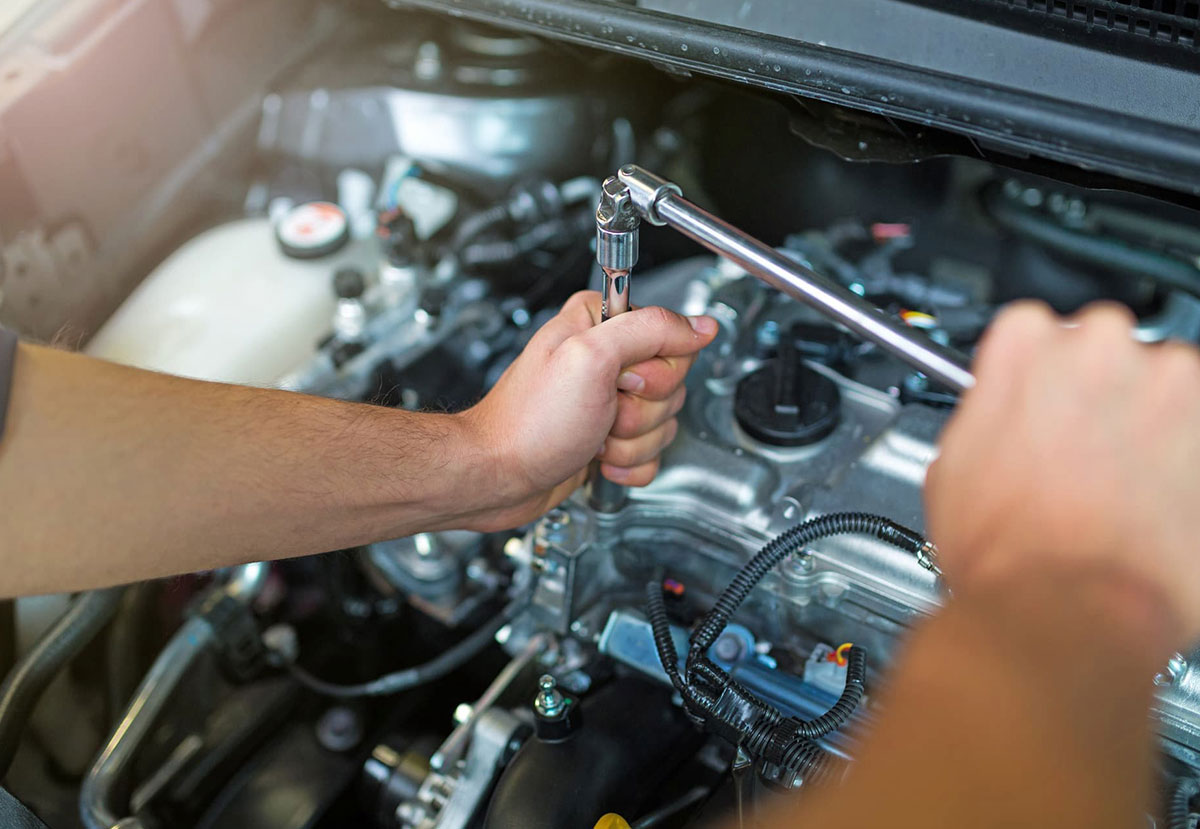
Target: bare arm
(1064, 504)
(110, 474)
(1015, 707)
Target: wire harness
(724, 706)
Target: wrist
(486, 479)
(442, 469)
(1101, 600)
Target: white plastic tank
(230, 305)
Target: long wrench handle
(660, 203)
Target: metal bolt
(339, 729)
(767, 336)
(729, 647)
(549, 702)
(1176, 667)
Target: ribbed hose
(436, 668)
(813, 764)
(1180, 807)
(62, 642)
(696, 704)
(840, 713)
(664, 643)
(793, 541)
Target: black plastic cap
(780, 411)
(349, 283)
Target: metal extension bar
(661, 203)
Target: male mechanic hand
(1079, 448)
(1065, 506)
(581, 391)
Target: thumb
(645, 333)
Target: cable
(62, 642)
(729, 709)
(1180, 808)
(793, 541)
(408, 678)
(1093, 250)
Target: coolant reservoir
(230, 305)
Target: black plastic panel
(1012, 91)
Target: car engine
(420, 196)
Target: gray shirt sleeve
(8, 356)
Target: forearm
(111, 474)
(1014, 708)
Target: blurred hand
(582, 391)
(1078, 447)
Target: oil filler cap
(786, 403)
(312, 230)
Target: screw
(728, 647)
(767, 336)
(339, 729)
(549, 702)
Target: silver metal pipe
(452, 749)
(246, 581)
(96, 798)
(661, 203)
(97, 806)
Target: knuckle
(657, 316)
(1107, 312)
(1023, 317)
(644, 474)
(678, 398)
(1107, 323)
(1015, 326)
(619, 453)
(629, 417)
(580, 350)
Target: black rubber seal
(8, 358)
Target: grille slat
(1173, 23)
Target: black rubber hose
(1180, 807)
(507, 251)
(664, 813)
(475, 224)
(436, 668)
(792, 541)
(1099, 251)
(62, 642)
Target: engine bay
(422, 198)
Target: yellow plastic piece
(611, 821)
